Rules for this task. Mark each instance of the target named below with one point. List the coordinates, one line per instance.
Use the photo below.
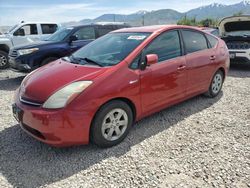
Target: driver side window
(166, 46)
(85, 33)
(29, 29)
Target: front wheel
(111, 124)
(216, 84)
(4, 63)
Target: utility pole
(143, 20)
(114, 17)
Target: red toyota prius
(98, 92)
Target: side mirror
(19, 32)
(151, 59)
(73, 38)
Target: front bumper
(18, 65)
(59, 128)
(241, 56)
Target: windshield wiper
(88, 60)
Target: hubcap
(217, 83)
(114, 124)
(3, 60)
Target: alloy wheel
(114, 124)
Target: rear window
(194, 41)
(48, 28)
(213, 41)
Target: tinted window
(85, 33)
(194, 41)
(166, 46)
(48, 28)
(104, 30)
(30, 29)
(213, 41)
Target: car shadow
(239, 70)
(25, 162)
(11, 84)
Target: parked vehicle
(62, 43)
(213, 31)
(235, 31)
(23, 33)
(99, 91)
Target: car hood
(234, 23)
(39, 85)
(33, 44)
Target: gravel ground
(199, 143)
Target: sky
(14, 11)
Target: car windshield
(110, 49)
(59, 35)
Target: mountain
(169, 16)
(218, 11)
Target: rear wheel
(111, 124)
(216, 84)
(48, 60)
(4, 63)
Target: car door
(199, 58)
(26, 34)
(165, 82)
(84, 36)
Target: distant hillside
(169, 16)
(218, 11)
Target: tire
(48, 60)
(107, 128)
(215, 85)
(4, 62)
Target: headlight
(65, 95)
(27, 51)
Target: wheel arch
(223, 71)
(48, 56)
(124, 99)
(4, 48)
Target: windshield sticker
(136, 37)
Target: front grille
(33, 131)
(29, 102)
(13, 53)
(239, 45)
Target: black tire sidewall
(6, 55)
(211, 93)
(96, 127)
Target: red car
(97, 93)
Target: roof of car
(97, 24)
(153, 28)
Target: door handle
(212, 57)
(181, 67)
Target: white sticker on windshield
(136, 37)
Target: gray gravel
(199, 143)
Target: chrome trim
(28, 102)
